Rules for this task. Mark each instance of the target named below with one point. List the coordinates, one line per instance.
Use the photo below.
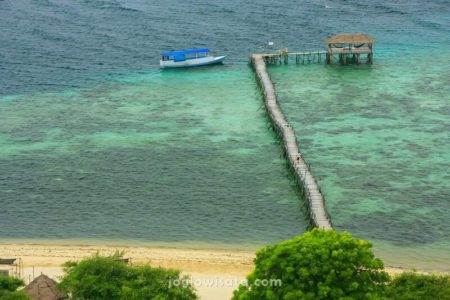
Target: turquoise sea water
(135, 159)
(99, 145)
(377, 139)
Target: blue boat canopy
(182, 52)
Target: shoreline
(183, 258)
(205, 253)
(55, 254)
(114, 243)
(226, 267)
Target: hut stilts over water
(348, 47)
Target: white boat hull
(195, 62)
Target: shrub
(8, 287)
(16, 295)
(108, 277)
(411, 286)
(317, 265)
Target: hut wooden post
(328, 55)
(347, 44)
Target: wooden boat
(189, 58)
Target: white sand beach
(215, 273)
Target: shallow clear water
(377, 139)
(137, 159)
(97, 143)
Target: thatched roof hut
(350, 38)
(44, 288)
(349, 47)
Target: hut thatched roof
(44, 288)
(350, 38)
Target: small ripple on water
(380, 153)
(150, 164)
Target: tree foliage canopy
(8, 288)
(16, 295)
(412, 286)
(108, 277)
(317, 265)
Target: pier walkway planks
(318, 214)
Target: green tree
(16, 295)
(317, 265)
(411, 286)
(108, 277)
(8, 289)
(156, 283)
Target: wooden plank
(307, 181)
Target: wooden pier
(284, 57)
(344, 48)
(306, 180)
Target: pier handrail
(318, 214)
